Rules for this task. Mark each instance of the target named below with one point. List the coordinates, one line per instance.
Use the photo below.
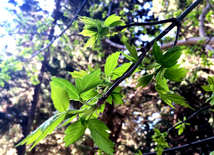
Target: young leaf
(74, 132)
(144, 80)
(91, 41)
(170, 57)
(88, 81)
(162, 82)
(157, 52)
(206, 88)
(71, 90)
(111, 20)
(117, 98)
(111, 63)
(88, 94)
(100, 136)
(177, 99)
(129, 58)
(60, 97)
(210, 80)
(119, 71)
(109, 99)
(48, 126)
(88, 33)
(175, 73)
(79, 74)
(132, 50)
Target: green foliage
(170, 58)
(100, 136)
(144, 80)
(111, 63)
(210, 88)
(159, 138)
(157, 52)
(74, 132)
(181, 126)
(95, 29)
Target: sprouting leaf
(71, 90)
(88, 81)
(206, 88)
(117, 98)
(60, 97)
(88, 33)
(100, 136)
(162, 82)
(119, 71)
(113, 21)
(43, 130)
(109, 99)
(79, 74)
(175, 73)
(74, 132)
(177, 99)
(170, 57)
(129, 58)
(157, 52)
(91, 41)
(88, 94)
(111, 63)
(210, 80)
(144, 80)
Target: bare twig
(184, 146)
(207, 107)
(63, 31)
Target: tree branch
(207, 107)
(201, 18)
(144, 50)
(184, 146)
(63, 31)
(188, 41)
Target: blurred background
(26, 26)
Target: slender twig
(144, 50)
(184, 146)
(63, 31)
(202, 109)
(120, 28)
(177, 34)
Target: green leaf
(111, 63)
(144, 80)
(119, 71)
(170, 57)
(88, 94)
(117, 23)
(175, 73)
(132, 50)
(111, 19)
(162, 91)
(91, 41)
(162, 82)
(88, 81)
(88, 33)
(48, 126)
(210, 80)
(180, 130)
(157, 52)
(206, 88)
(74, 132)
(129, 58)
(109, 99)
(79, 74)
(177, 99)
(60, 98)
(117, 98)
(100, 136)
(71, 90)
(68, 120)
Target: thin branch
(63, 31)
(207, 107)
(187, 41)
(44, 34)
(120, 28)
(177, 34)
(184, 146)
(201, 18)
(144, 50)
